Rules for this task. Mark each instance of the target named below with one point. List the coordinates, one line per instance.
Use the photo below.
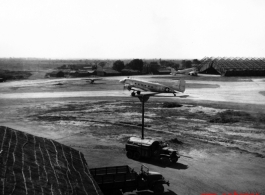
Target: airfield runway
(246, 92)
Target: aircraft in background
(92, 79)
(189, 71)
(138, 86)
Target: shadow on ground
(165, 96)
(171, 165)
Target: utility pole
(142, 119)
(143, 99)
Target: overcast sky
(111, 29)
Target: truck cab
(151, 180)
(117, 179)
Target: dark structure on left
(36, 165)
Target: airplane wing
(143, 92)
(137, 89)
(92, 79)
(148, 93)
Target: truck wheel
(156, 155)
(174, 161)
(158, 189)
(129, 154)
(165, 161)
(136, 156)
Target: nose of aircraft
(122, 80)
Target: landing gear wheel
(133, 94)
(129, 155)
(158, 189)
(136, 156)
(138, 92)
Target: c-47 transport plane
(137, 86)
(188, 71)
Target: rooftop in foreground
(36, 165)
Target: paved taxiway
(246, 92)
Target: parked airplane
(92, 79)
(138, 86)
(189, 71)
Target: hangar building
(233, 66)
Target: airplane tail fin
(173, 71)
(179, 85)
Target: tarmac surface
(246, 92)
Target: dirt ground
(218, 123)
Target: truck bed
(110, 170)
(115, 178)
(118, 177)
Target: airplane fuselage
(185, 71)
(149, 86)
(189, 71)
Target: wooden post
(142, 119)
(143, 99)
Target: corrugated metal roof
(234, 66)
(36, 165)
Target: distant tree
(185, 64)
(146, 67)
(195, 61)
(118, 65)
(175, 66)
(172, 64)
(188, 64)
(94, 67)
(166, 63)
(102, 64)
(153, 67)
(136, 64)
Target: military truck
(117, 180)
(150, 149)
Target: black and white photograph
(132, 97)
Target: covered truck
(120, 179)
(137, 148)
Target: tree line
(153, 67)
